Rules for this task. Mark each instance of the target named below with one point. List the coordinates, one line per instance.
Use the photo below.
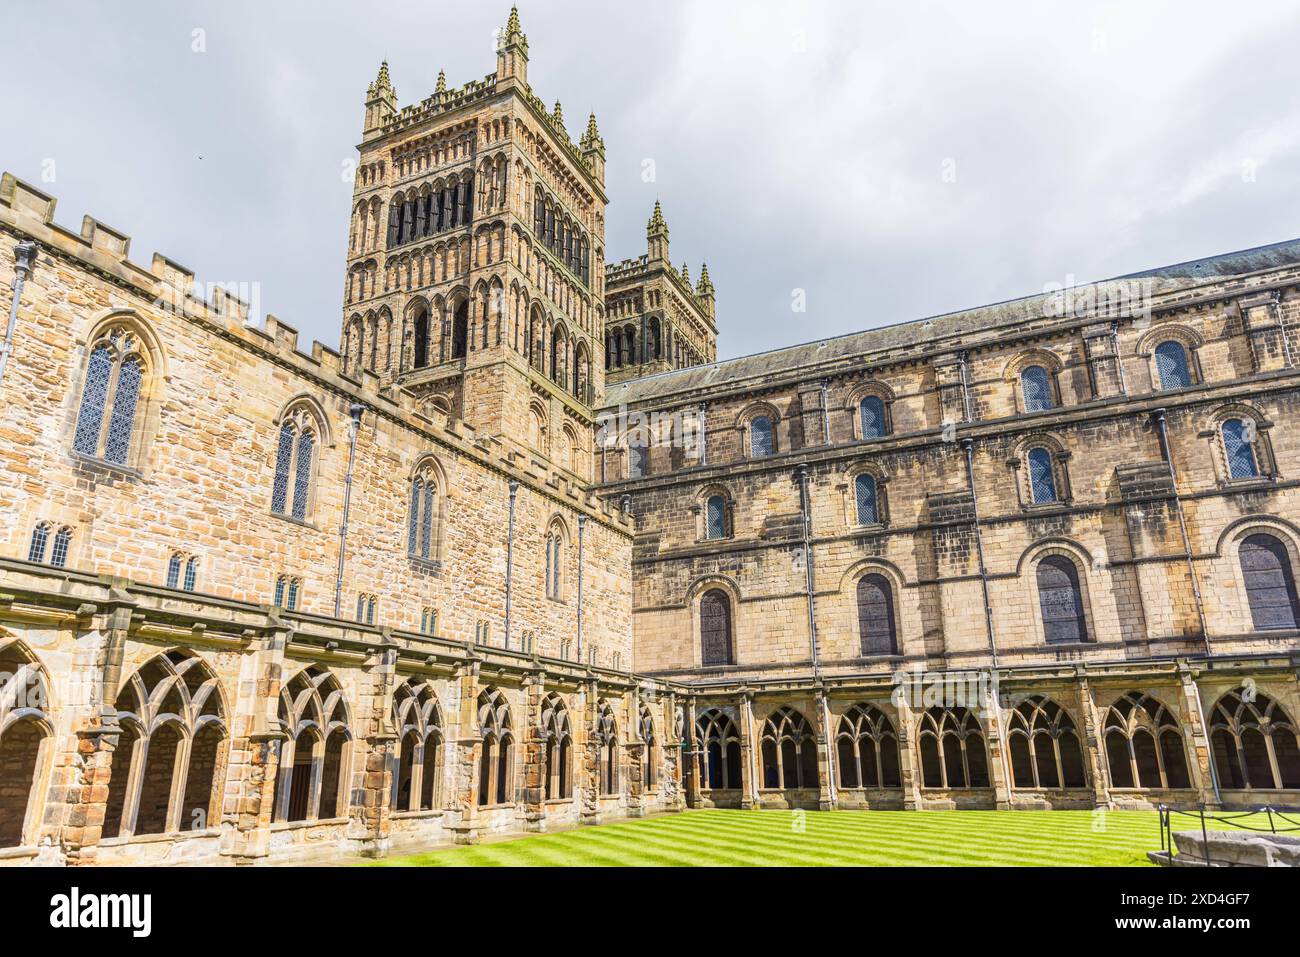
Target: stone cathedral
(523, 554)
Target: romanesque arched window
(1042, 476)
(649, 750)
(1036, 389)
(762, 441)
(424, 525)
(1254, 742)
(876, 630)
(26, 743)
(1044, 744)
(721, 752)
(1144, 744)
(789, 751)
(294, 465)
(716, 646)
(1172, 366)
(167, 767)
(953, 755)
(312, 778)
(497, 761)
(1239, 448)
(417, 719)
(865, 499)
(607, 746)
(866, 748)
(111, 398)
(557, 735)
(421, 357)
(1060, 600)
(715, 517)
(1270, 585)
(871, 417)
(460, 331)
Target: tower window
(716, 517)
(1042, 481)
(1036, 389)
(1172, 365)
(871, 414)
(760, 437)
(864, 490)
(1238, 450)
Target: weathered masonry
(523, 555)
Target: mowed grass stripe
(740, 838)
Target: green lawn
(853, 838)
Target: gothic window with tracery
(111, 396)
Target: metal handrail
(1272, 814)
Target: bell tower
(476, 269)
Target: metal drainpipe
(1159, 416)
(802, 474)
(356, 411)
(968, 445)
(25, 254)
(582, 527)
(510, 553)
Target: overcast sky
(891, 160)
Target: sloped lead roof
(1163, 281)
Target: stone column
(248, 799)
(534, 753)
(748, 772)
(997, 755)
(372, 770)
(589, 749)
(909, 764)
(1197, 739)
(465, 746)
(1093, 742)
(825, 742)
(1103, 363)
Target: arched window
(864, 495)
(1270, 586)
(871, 416)
(1144, 745)
(312, 780)
(1060, 600)
(293, 465)
(26, 742)
(649, 750)
(952, 748)
(715, 522)
(638, 457)
(107, 418)
(40, 539)
(1036, 389)
(1042, 479)
(607, 743)
(1238, 448)
(460, 331)
(866, 748)
(720, 759)
(62, 542)
(421, 338)
(557, 772)
(789, 751)
(417, 783)
(876, 616)
(761, 441)
(555, 562)
(174, 698)
(497, 761)
(715, 629)
(423, 525)
(182, 571)
(287, 590)
(366, 609)
(1172, 366)
(1045, 752)
(1254, 742)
